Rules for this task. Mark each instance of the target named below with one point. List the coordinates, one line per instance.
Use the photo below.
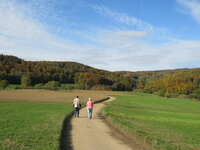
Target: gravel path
(94, 134)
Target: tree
(3, 84)
(26, 80)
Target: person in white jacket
(77, 106)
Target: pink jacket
(89, 104)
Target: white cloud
(22, 35)
(26, 37)
(154, 32)
(123, 39)
(177, 54)
(192, 8)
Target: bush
(138, 90)
(102, 87)
(13, 87)
(147, 90)
(195, 94)
(52, 85)
(183, 96)
(80, 87)
(161, 93)
(121, 86)
(171, 95)
(39, 86)
(72, 86)
(156, 93)
(3, 84)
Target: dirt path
(94, 134)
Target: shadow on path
(65, 137)
(94, 117)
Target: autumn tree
(26, 80)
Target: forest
(184, 83)
(35, 73)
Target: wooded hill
(169, 83)
(16, 70)
(183, 83)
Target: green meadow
(13, 86)
(31, 125)
(167, 124)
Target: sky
(114, 35)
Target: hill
(14, 70)
(169, 83)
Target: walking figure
(89, 106)
(77, 106)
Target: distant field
(32, 119)
(169, 124)
(52, 96)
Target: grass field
(168, 124)
(13, 86)
(32, 119)
(31, 125)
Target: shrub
(161, 93)
(155, 93)
(72, 86)
(39, 86)
(3, 84)
(183, 96)
(52, 85)
(195, 94)
(147, 90)
(171, 95)
(121, 86)
(138, 90)
(80, 87)
(102, 87)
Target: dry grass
(52, 96)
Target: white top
(76, 102)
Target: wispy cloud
(133, 23)
(27, 35)
(123, 18)
(24, 36)
(123, 39)
(192, 8)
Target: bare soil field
(52, 96)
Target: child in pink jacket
(90, 106)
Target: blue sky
(113, 35)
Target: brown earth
(52, 96)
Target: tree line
(29, 73)
(184, 83)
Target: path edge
(130, 138)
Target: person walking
(90, 106)
(77, 106)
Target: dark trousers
(76, 111)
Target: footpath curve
(94, 134)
